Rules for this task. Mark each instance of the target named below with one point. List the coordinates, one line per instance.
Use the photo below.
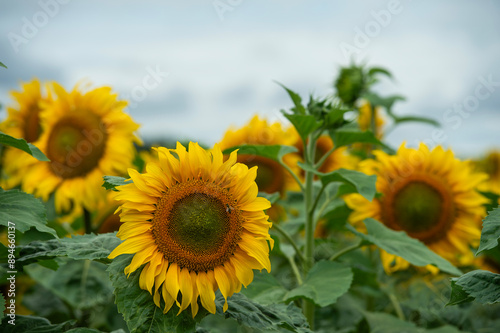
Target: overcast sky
(215, 62)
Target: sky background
(219, 60)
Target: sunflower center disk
(423, 210)
(270, 177)
(196, 226)
(199, 222)
(32, 124)
(76, 145)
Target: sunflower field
(313, 224)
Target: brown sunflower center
(420, 205)
(270, 175)
(32, 124)
(76, 145)
(196, 226)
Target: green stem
(324, 157)
(87, 221)
(290, 240)
(345, 250)
(287, 168)
(295, 270)
(397, 306)
(308, 307)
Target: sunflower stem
(294, 175)
(308, 307)
(324, 157)
(295, 270)
(346, 250)
(290, 240)
(87, 221)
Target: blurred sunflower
(429, 194)
(23, 121)
(271, 176)
(85, 136)
(365, 119)
(491, 166)
(197, 224)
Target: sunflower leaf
(304, 124)
(265, 289)
(111, 182)
(325, 282)
(380, 322)
(2, 65)
(491, 231)
(137, 306)
(482, 286)
(22, 145)
(354, 181)
(23, 211)
(263, 318)
(296, 99)
(402, 245)
(78, 247)
(350, 133)
(273, 152)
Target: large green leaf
(356, 182)
(402, 245)
(137, 306)
(273, 152)
(111, 182)
(263, 318)
(350, 133)
(265, 289)
(23, 145)
(83, 284)
(491, 231)
(23, 211)
(2, 65)
(325, 282)
(33, 324)
(78, 247)
(304, 124)
(482, 286)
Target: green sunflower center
(76, 145)
(196, 226)
(417, 207)
(200, 222)
(421, 205)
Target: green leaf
(110, 182)
(297, 101)
(355, 182)
(82, 284)
(273, 152)
(24, 211)
(402, 245)
(386, 102)
(2, 65)
(482, 286)
(376, 70)
(491, 231)
(304, 124)
(325, 282)
(263, 318)
(418, 119)
(265, 289)
(137, 306)
(33, 324)
(23, 145)
(386, 323)
(350, 133)
(78, 247)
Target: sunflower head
(491, 166)
(429, 194)
(271, 176)
(197, 225)
(365, 119)
(85, 135)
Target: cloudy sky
(190, 69)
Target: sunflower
(196, 223)
(491, 166)
(429, 194)
(271, 176)
(23, 121)
(365, 119)
(85, 136)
